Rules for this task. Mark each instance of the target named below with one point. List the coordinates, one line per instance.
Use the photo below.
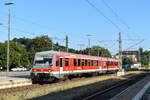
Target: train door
(100, 64)
(61, 64)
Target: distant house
(131, 54)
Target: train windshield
(43, 63)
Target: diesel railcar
(51, 65)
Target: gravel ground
(64, 90)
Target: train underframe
(41, 76)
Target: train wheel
(34, 81)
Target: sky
(76, 18)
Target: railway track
(109, 93)
(39, 85)
(44, 85)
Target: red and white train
(57, 65)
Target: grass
(68, 90)
(3, 70)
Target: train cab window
(66, 61)
(79, 62)
(57, 62)
(82, 62)
(61, 62)
(86, 62)
(89, 61)
(75, 62)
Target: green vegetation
(126, 60)
(145, 57)
(22, 50)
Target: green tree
(126, 60)
(98, 51)
(17, 53)
(42, 43)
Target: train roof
(54, 52)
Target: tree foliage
(17, 55)
(126, 60)
(22, 50)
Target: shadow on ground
(78, 93)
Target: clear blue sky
(76, 18)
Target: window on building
(79, 62)
(75, 62)
(66, 61)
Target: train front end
(42, 67)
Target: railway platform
(14, 81)
(138, 91)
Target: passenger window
(61, 62)
(89, 62)
(111, 63)
(82, 62)
(100, 63)
(85, 62)
(117, 64)
(75, 62)
(104, 63)
(57, 62)
(107, 63)
(66, 61)
(79, 62)
(97, 62)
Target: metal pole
(8, 39)
(66, 43)
(149, 60)
(89, 46)
(120, 50)
(52, 43)
(98, 52)
(139, 56)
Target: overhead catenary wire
(134, 45)
(101, 13)
(33, 23)
(116, 14)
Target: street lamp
(8, 4)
